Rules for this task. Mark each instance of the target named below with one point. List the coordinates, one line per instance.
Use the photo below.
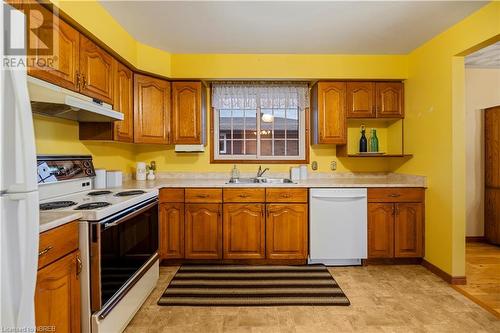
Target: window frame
(251, 160)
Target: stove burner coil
(56, 205)
(128, 193)
(94, 193)
(93, 205)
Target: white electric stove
(118, 236)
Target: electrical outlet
(314, 165)
(333, 165)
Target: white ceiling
(307, 27)
(488, 57)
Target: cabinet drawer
(395, 194)
(57, 243)
(244, 195)
(286, 195)
(171, 195)
(203, 195)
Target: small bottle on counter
(235, 173)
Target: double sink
(260, 180)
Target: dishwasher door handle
(339, 198)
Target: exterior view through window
(267, 123)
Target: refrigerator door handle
(25, 161)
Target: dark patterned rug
(221, 285)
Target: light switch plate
(333, 165)
(314, 165)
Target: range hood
(49, 99)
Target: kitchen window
(256, 122)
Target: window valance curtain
(250, 95)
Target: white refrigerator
(19, 215)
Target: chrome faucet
(261, 172)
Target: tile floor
(384, 299)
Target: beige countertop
(337, 180)
(50, 220)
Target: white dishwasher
(337, 226)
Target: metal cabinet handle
(285, 195)
(244, 195)
(202, 196)
(394, 195)
(78, 80)
(79, 265)
(84, 82)
(44, 251)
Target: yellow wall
(60, 136)
(434, 127)
(280, 66)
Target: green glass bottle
(373, 141)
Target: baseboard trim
(454, 280)
(392, 261)
(476, 239)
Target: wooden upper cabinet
(244, 233)
(389, 99)
(408, 230)
(171, 231)
(360, 99)
(286, 231)
(62, 68)
(380, 230)
(96, 71)
(203, 231)
(123, 102)
(328, 113)
(151, 110)
(188, 113)
(57, 295)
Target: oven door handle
(131, 215)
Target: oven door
(122, 248)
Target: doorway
(482, 91)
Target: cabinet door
(408, 230)
(203, 231)
(244, 231)
(151, 110)
(61, 68)
(57, 294)
(96, 70)
(171, 230)
(187, 113)
(123, 102)
(492, 215)
(330, 113)
(389, 99)
(380, 230)
(492, 147)
(360, 100)
(286, 231)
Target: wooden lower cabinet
(244, 233)
(396, 229)
(171, 231)
(286, 231)
(380, 230)
(203, 231)
(57, 295)
(408, 230)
